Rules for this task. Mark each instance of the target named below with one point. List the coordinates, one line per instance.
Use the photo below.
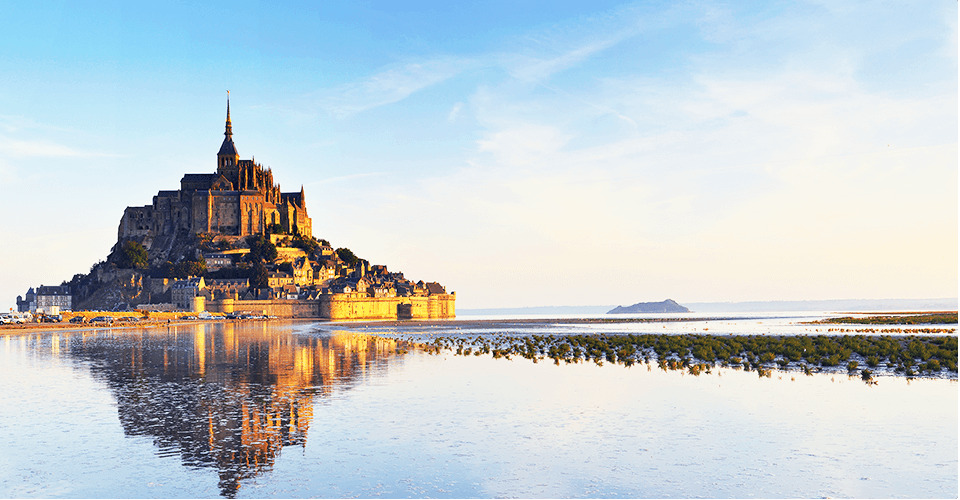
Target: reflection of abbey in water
(226, 396)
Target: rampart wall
(279, 308)
(345, 306)
(355, 306)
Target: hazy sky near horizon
(521, 153)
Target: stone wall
(136, 222)
(279, 308)
(357, 306)
(289, 254)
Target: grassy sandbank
(937, 318)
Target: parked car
(20, 318)
(78, 319)
(102, 319)
(51, 318)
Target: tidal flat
(926, 348)
(303, 409)
(867, 356)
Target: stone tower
(227, 157)
(239, 199)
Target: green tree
(261, 249)
(205, 242)
(258, 276)
(305, 243)
(193, 267)
(132, 255)
(182, 269)
(347, 256)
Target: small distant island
(666, 306)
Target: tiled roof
(227, 148)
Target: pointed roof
(297, 199)
(227, 148)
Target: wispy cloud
(536, 69)
(753, 147)
(45, 149)
(533, 59)
(389, 86)
(454, 112)
(344, 178)
(13, 124)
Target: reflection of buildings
(224, 395)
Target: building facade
(46, 299)
(239, 199)
(188, 294)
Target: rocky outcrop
(114, 290)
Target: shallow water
(719, 323)
(300, 409)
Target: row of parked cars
(15, 318)
(21, 318)
(100, 319)
(134, 319)
(247, 316)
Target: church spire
(229, 129)
(227, 156)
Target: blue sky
(522, 153)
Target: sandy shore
(29, 328)
(32, 328)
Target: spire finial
(229, 129)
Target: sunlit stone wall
(345, 306)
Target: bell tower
(228, 157)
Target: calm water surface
(301, 409)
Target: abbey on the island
(239, 199)
(232, 242)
